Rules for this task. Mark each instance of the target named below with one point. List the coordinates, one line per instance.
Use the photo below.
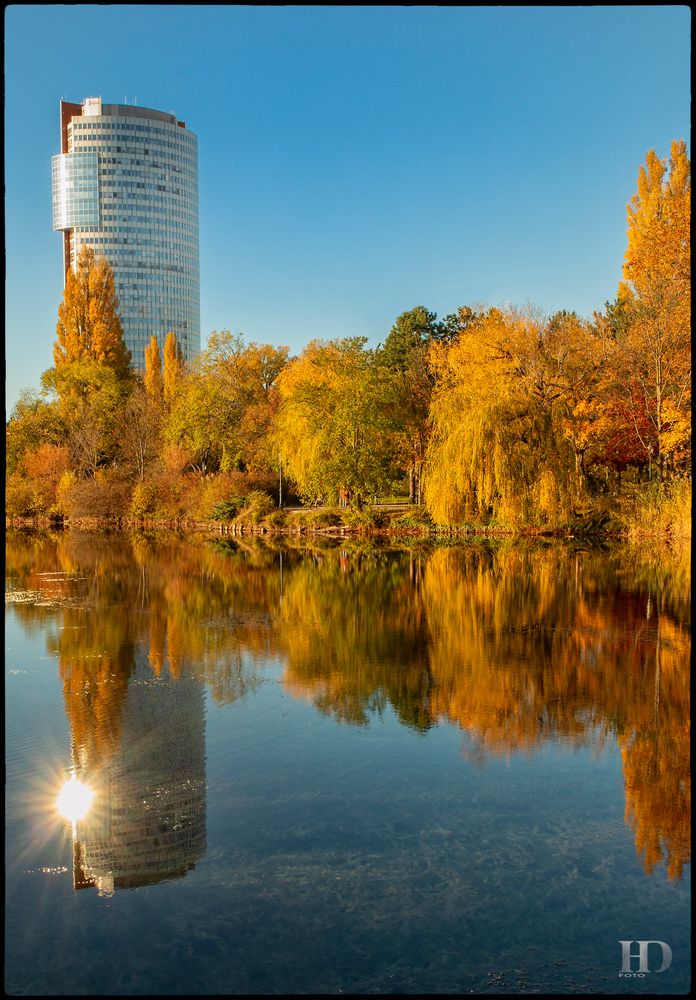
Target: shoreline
(232, 529)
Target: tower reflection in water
(148, 819)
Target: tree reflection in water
(518, 644)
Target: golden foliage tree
(154, 385)
(658, 247)
(332, 429)
(503, 441)
(173, 367)
(89, 328)
(654, 354)
(224, 408)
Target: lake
(247, 767)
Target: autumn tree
(223, 408)
(152, 378)
(44, 469)
(35, 455)
(574, 355)
(88, 326)
(332, 429)
(141, 435)
(503, 440)
(91, 402)
(173, 367)
(653, 360)
(245, 377)
(34, 421)
(91, 378)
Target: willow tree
(89, 327)
(654, 356)
(332, 428)
(497, 447)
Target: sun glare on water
(74, 800)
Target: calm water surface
(343, 770)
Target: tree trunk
(579, 475)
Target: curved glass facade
(75, 190)
(126, 184)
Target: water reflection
(74, 800)
(518, 645)
(148, 820)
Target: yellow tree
(242, 380)
(92, 376)
(658, 215)
(575, 355)
(497, 447)
(173, 369)
(654, 356)
(153, 370)
(331, 428)
(89, 328)
(223, 409)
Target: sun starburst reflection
(74, 800)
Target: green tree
(34, 421)
(224, 407)
(409, 381)
(91, 399)
(332, 429)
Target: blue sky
(356, 161)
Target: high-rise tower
(126, 184)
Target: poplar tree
(658, 248)
(173, 367)
(89, 327)
(153, 370)
(654, 353)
